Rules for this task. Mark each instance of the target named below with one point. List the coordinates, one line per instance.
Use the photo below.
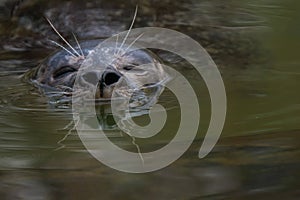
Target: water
(255, 45)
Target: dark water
(256, 47)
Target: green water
(256, 47)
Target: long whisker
(78, 44)
(133, 20)
(126, 50)
(62, 37)
(132, 43)
(64, 48)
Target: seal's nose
(110, 76)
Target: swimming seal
(58, 72)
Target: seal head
(139, 68)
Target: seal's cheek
(41, 74)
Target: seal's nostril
(91, 77)
(110, 78)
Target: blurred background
(255, 44)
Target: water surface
(255, 45)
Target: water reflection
(256, 166)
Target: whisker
(62, 37)
(133, 20)
(78, 44)
(138, 37)
(64, 48)
(116, 47)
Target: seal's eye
(63, 71)
(128, 67)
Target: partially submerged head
(139, 68)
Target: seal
(141, 69)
